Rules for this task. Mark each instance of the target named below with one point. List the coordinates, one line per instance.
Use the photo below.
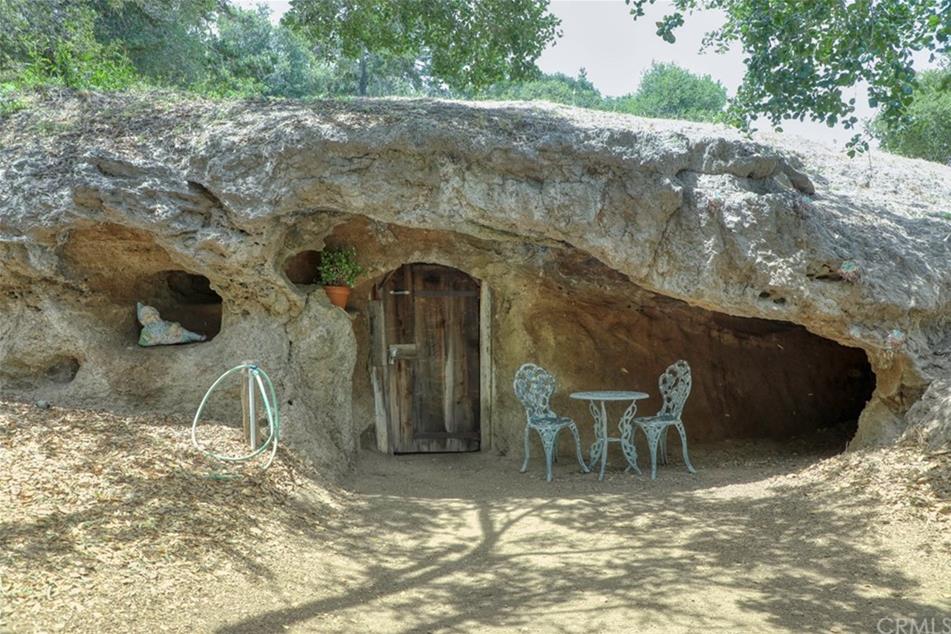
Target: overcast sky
(602, 37)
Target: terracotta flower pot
(338, 295)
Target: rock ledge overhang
(855, 250)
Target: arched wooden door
(425, 328)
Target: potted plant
(338, 271)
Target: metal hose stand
(254, 383)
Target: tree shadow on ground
(466, 542)
(517, 552)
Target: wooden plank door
(431, 378)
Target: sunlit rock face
(794, 280)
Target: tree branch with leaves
(464, 44)
(800, 55)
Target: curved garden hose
(268, 399)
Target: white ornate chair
(534, 386)
(674, 386)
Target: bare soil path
(763, 538)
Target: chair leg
(653, 439)
(683, 444)
(525, 464)
(662, 448)
(574, 432)
(548, 442)
(554, 455)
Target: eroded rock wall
(853, 251)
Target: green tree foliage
(557, 88)
(27, 26)
(249, 55)
(54, 42)
(801, 54)
(166, 40)
(208, 46)
(365, 47)
(926, 130)
(464, 44)
(665, 91)
(668, 91)
(381, 75)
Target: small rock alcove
(188, 299)
(39, 373)
(119, 266)
(63, 371)
(301, 269)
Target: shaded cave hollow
(39, 372)
(121, 266)
(63, 370)
(188, 299)
(596, 330)
(301, 268)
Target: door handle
(399, 292)
(400, 351)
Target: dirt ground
(114, 524)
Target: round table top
(609, 395)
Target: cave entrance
(758, 384)
(426, 332)
(766, 385)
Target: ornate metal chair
(534, 386)
(674, 386)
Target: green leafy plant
(103, 68)
(339, 266)
(9, 102)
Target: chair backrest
(534, 386)
(674, 386)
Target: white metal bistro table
(596, 403)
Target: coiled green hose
(268, 398)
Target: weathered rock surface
(102, 196)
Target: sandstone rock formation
(612, 245)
